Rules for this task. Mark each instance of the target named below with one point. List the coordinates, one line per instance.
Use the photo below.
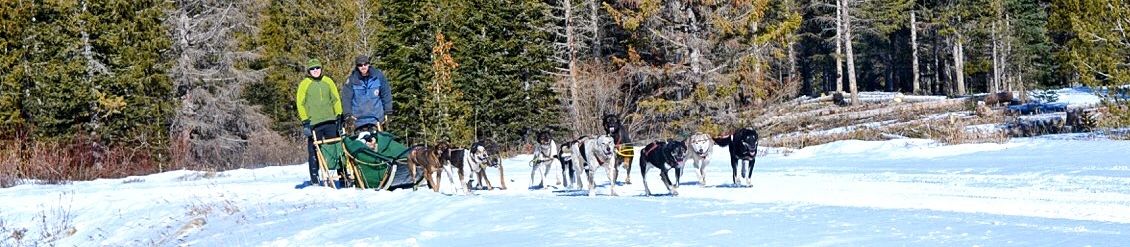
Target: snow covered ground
(1046, 191)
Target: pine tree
(1095, 48)
(502, 62)
(406, 38)
(13, 69)
(97, 68)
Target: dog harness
(649, 150)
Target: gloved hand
(306, 129)
(340, 124)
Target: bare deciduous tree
(852, 86)
(915, 87)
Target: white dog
(701, 147)
(546, 155)
(590, 152)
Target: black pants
(324, 130)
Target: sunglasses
(362, 65)
(315, 68)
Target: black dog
(624, 151)
(664, 155)
(743, 152)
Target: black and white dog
(477, 158)
(665, 155)
(546, 158)
(624, 150)
(743, 152)
(569, 176)
(701, 146)
(592, 152)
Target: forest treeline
(116, 87)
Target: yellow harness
(625, 150)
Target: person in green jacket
(319, 108)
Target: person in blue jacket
(366, 96)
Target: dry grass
(61, 160)
(264, 148)
(9, 163)
(53, 222)
(81, 158)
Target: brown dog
(432, 160)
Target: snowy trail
(1033, 191)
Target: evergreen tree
(502, 56)
(13, 69)
(1095, 48)
(98, 67)
(403, 51)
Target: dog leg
(643, 176)
(734, 167)
(592, 181)
(701, 170)
(485, 179)
(534, 171)
(545, 173)
(627, 162)
(451, 177)
(463, 180)
(678, 176)
(749, 173)
(557, 175)
(439, 176)
(578, 171)
(612, 170)
(502, 176)
(429, 174)
(412, 170)
(667, 181)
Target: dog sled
(383, 166)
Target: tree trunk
(594, 27)
(959, 64)
(839, 46)
(940, 67)
(995, 84)
(914, 53)
(363, 16)
(571, 43)
(792, 62)
(890, 74)
(850, 57)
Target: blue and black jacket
(367, 98)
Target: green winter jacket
(318, 100)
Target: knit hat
(313, 62)
(362, 59)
